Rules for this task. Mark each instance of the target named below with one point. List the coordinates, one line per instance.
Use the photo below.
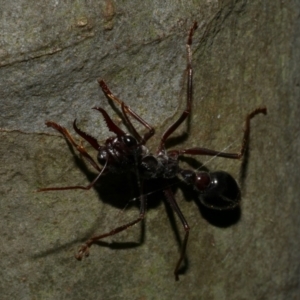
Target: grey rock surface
(245, 55)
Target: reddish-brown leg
(189, 97)
(168, 193)
(82, 151)
(127, 109)
(130, 125)
(69, 137)
(74, 187)
(205, 151)
(84, 249)
(170, 197)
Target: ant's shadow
(124, 187)
(121, 190)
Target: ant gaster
(127, 153)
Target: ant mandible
(127, 153)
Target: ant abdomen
(222, 193)
(217, 190)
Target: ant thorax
(160, 166)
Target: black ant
(127, 153)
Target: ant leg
(127, 109)
(128, 122)
(170, 197)
(79, 148)
(205, 151)
(75, 186)
(187, 110)
(84, 249)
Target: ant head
(119, 151)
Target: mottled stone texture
(246, 54)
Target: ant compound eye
(129, 140)
(102, 157)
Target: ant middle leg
(245, 141)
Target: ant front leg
(69, 137)
(81, 150)
(126, 109)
